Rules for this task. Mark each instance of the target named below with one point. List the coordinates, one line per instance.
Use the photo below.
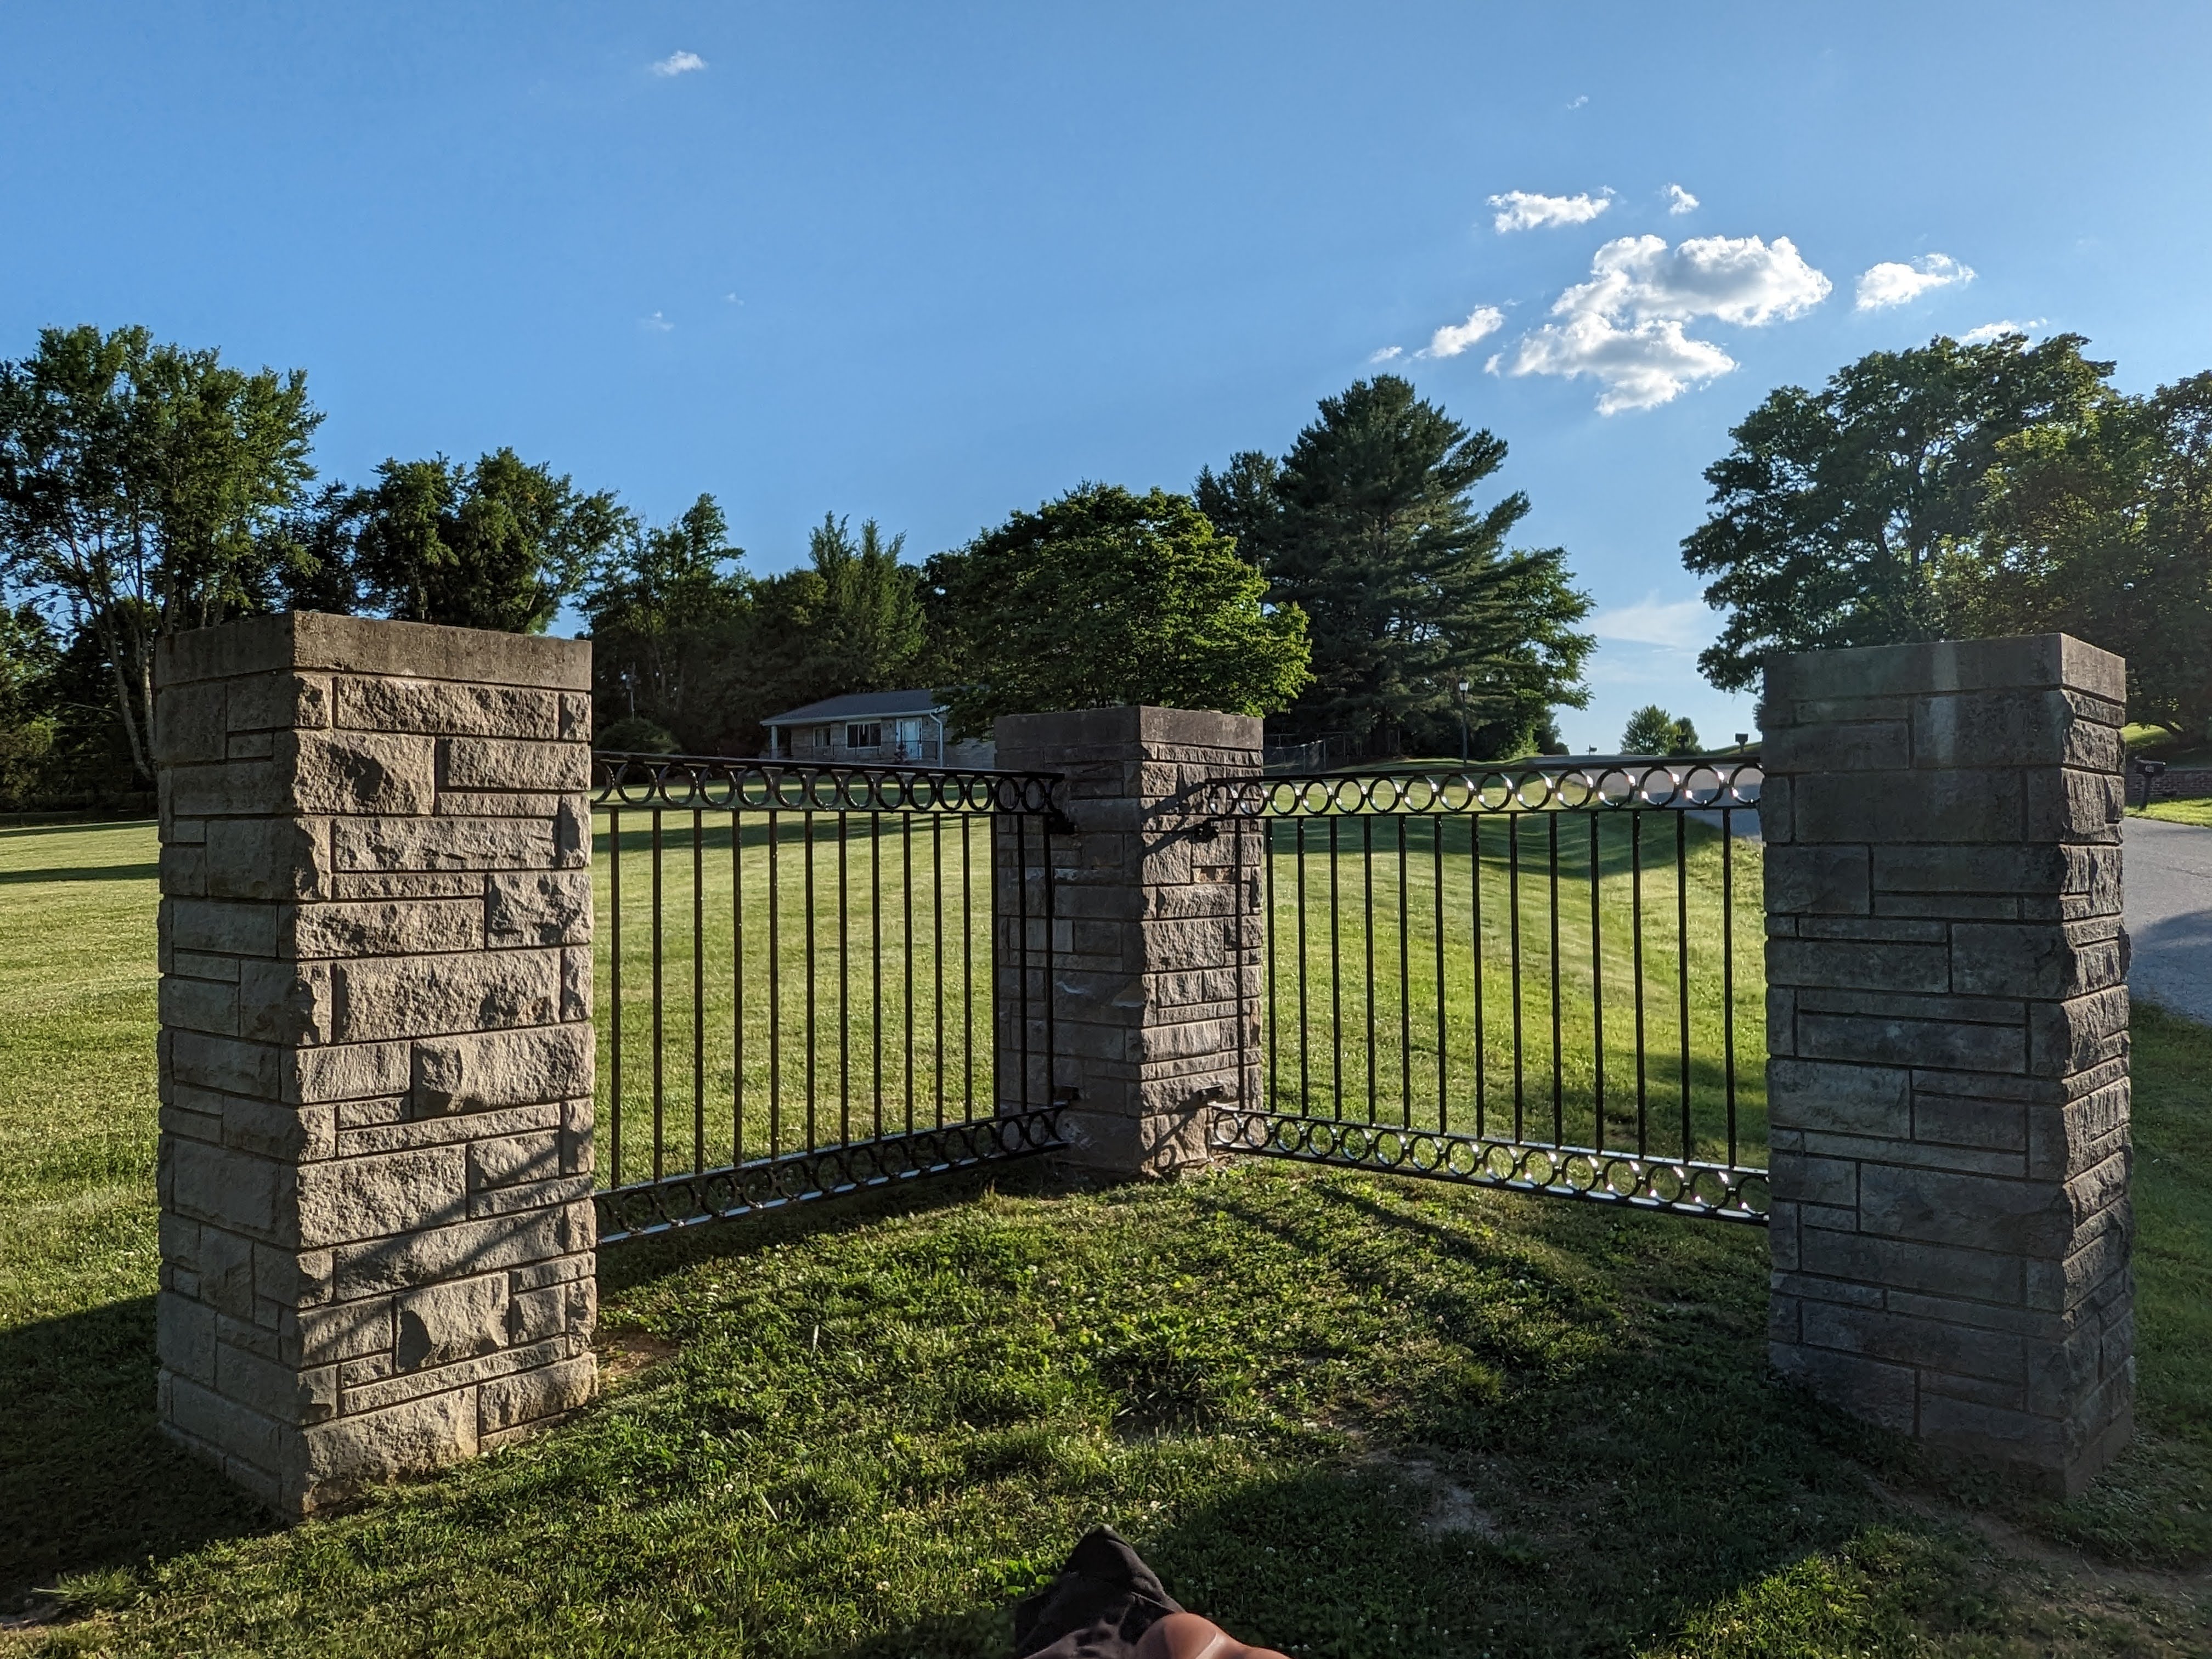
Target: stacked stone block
(1156, 940)
(376, 1050)
(1947, 1023)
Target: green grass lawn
(1346, 1414)
(2175, 811)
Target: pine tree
(1368, 526)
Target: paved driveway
(2168, 894)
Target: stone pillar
(376, 1046)
(1155, 940)
(1948, 1020)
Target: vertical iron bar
(875, 957)
(1244, 946)
(1636, 931)
(1021, 973)
(1437, 907)
(906, 981)
(1727, 970)
(1045, 989)
(1306, 1067)
(1405, 987)
(614, 958)
(1273, 992)
(968, 970)
(1474, 950)
(658, 998)
(1367, 870)
(1559, 1058)
(1597, 978)
(775, 981)
(1513, 904)
(844, 985)
(1335, 975)
(737, 985)
(698, 988)
(806, 829)
(937, 945)
(1682, 964)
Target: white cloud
(1521, 210)
(1454, 338)
(1685, 624)
(679, 62)
(1624, 326)
(1639, 366)
(1989, 331)
(1891, 283)
(1577, 103)
(1680, 200)
(657, 323)
(1738, 279)
(1385, 354)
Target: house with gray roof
(880, 728)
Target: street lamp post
(1463, 722)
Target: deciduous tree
(1105, 596)
(138, 482)
(1838, 510)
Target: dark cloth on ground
(1104, 1601)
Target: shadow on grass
(84, 873)
(87, 1483)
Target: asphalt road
(2167, 892)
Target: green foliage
(497, 545)
(1104, 597)
(2101, 526)
(1652, 731)
(138, 485)
(850, 619)
(1368, 526)
(1839, 513)
(29, 655)
(671, 613)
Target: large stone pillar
(376, 1047)
(1947, 1022)
(1151, 962)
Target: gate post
(376, 1046)
(1948, 1026)
(1153, 976)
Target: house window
(863, 735)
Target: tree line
(1351, 588)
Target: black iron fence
(1529, 977)
(799, 973)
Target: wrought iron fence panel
(1530, 977)
(799, 965)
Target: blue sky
(929, 263)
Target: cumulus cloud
(1680, 200)
(1454, 338)
(679, 62)
(1624, 326)
(1684, 624)
(1738, 279)
(1989, 331)
(1577, 103)
(1892, 283)
(1521, 210)
(656, 324)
